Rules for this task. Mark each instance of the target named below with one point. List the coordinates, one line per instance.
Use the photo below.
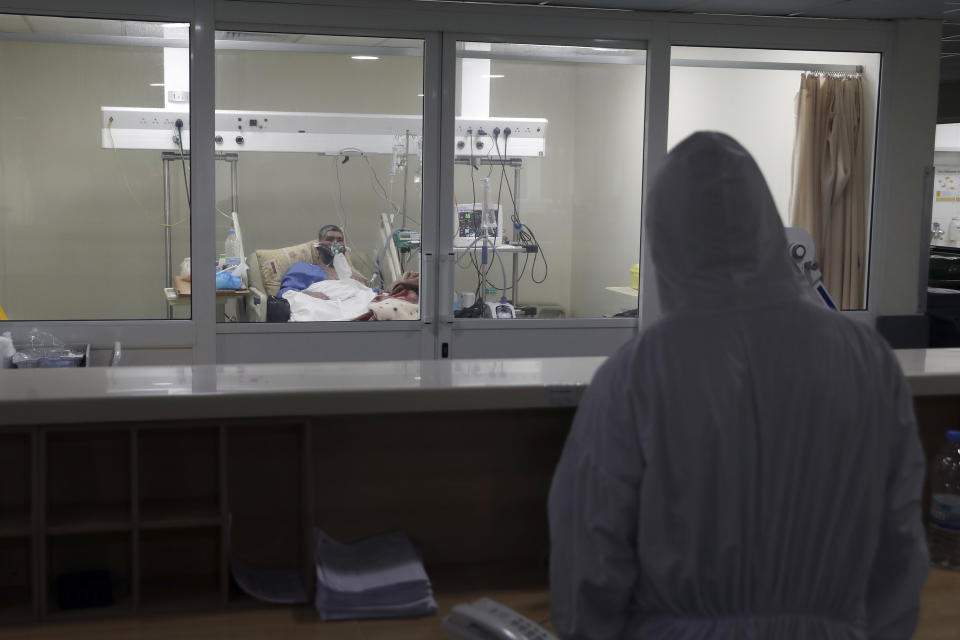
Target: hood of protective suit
(716, 237)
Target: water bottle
(945, 505)
(953, 231)
(231, 249)
(6, 350)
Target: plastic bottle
(6, 350)
(953, 231)
(945, 505)
(231, 249)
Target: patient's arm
(409, 280)
(316, 294)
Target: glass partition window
(84, 225)
(796, 112)
(318, 177)
(945, 216)
(547, 180)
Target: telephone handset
(489, 620)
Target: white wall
(74, 242)
(758, 107)
(608, 193)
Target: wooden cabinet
(119, 519)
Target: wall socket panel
(305, 132)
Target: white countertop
(931, 372)
(51, 396)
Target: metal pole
(406, 168)
(516, 212)
(926, 215)
(233, 185)
(516, 262)
(167, 245)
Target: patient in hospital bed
(320, 292)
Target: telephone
(489, 620)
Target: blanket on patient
(347, 300)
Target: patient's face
(332, 237)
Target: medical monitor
(468, 225)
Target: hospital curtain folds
(828, 192)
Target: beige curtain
(828, 194)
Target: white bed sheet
(347, 300)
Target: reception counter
(162, 477)
(116, 394)
(73, 396)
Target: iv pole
(167, 157)
(517, 164)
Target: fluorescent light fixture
(493, 75)
(365, 57)
(419, 95)
(156, 84)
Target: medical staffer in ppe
(749, 466)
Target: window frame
(440, 25)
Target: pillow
(274, 263)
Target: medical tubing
(383, 252)
(503, 270)
(473, 182)
(183, 160)
(525, 233)
(468, 251)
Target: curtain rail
(772, 66)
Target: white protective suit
(748, 467)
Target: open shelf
(89, 518)
(14, 525)
(15, 468)
(172, 514)
(179, 477)
(84, 566)
(88, 481)
(180, 569)
(16, 598)
(265, 498)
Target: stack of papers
(380, 577)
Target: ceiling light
(156, 84)
(419, 95)
(492, 75)
(365, 57)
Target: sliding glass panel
(85, 230)
(548, 188)
(798, 113)
(319, 159)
